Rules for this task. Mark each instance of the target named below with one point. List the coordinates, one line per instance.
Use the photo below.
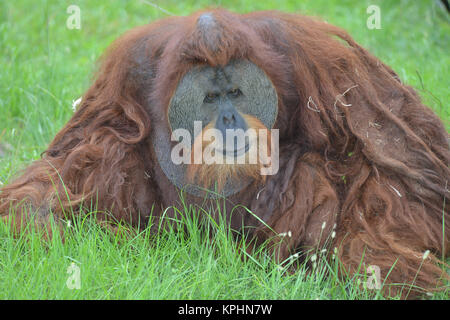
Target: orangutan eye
(210, 97)
(235, 93)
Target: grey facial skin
(257, 95)
(220, 95)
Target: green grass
(45, 65)
(181, 264)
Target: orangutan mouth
(235, 152)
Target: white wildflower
(75, 104)
(284, 234)
(313, 257)
(335, 253)
(324, 224)
(425, 254)
(294, 256)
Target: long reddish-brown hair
(363, 163)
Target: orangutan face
(224, 116)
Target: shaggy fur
(358, 150)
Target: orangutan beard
(245, 162)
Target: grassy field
(45, 66)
